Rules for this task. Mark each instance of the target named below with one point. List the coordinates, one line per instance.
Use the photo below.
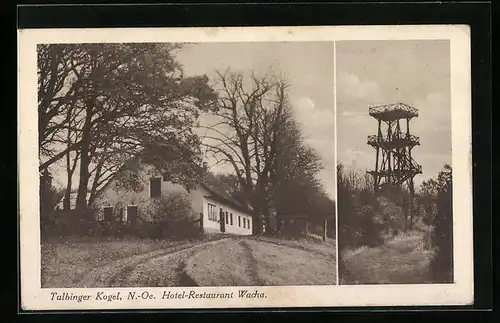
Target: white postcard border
(33, 297)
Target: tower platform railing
(396, 140)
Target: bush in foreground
(169, 216)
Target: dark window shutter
(108, 214)
(155, 187)
(131, 213)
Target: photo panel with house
(196, 145)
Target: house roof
(223, 197)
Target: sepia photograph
(244, 167)
(186, 164)
(394, 162)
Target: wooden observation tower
(393, 143)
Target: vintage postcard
(255, 167)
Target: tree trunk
(257, 223)
(81, 199)
(325, 223)
(85, 159)
(67, 194)
(95, 183)
(201, 224)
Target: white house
(218, 211)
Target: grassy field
(280, 264)
(311, 243)
(400, 260)
(65, 262)
(238, 261)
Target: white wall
(118, 198)
(210, 226)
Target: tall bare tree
(295, 186)
(256, 134)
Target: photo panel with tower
(394, 171)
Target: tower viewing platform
(393, 144)
(392, 112)
(395, 141)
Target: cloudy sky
(309, 70)
(383, 72)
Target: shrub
(442, 239)
(169, 216)
(440, 202)
(371, 231)
(49, 197)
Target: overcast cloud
(383, 72)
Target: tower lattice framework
(393, 143)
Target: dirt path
(250, 262)
(251, 265)
(222, 265)
(136, 270)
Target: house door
(222, 221)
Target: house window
(155, 187)
(131, 213)
(108, 214)
(227, 217)
(212, 214)
(248, 223)
(231, 218)
(244, 223)
(239, 221)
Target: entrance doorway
(222, 221)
